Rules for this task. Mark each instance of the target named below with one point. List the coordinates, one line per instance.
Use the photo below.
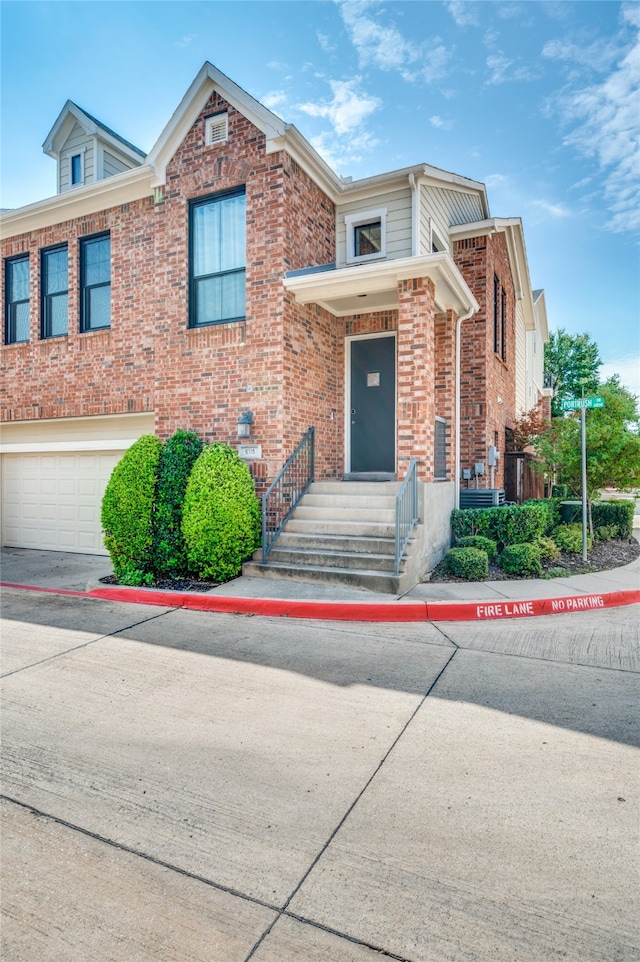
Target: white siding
(78, 142)
(113, 165)
(442, 208)
(523, 378)
(398, 205)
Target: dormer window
(76, 169)
(366, 235)
(216, 129)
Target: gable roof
(71, 114)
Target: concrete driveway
(188, 786)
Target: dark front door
(373, 406)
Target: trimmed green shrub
(469, 563)
(548, 549)
(515, 524)
(606, 532)
(619, 513)
(551, 506)
(521, 559)
(568, 537)
(221, 515)
(477, 541)
(179, 453)
(127, 511)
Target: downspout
(456, 469)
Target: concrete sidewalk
(54, 570)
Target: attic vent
(216, 129)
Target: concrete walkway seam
(398, 611)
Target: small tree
(528, 426)
(573, 362)
(127, 511)
(221, 516)
(613, 444)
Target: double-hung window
(16, 308)
(55, 291)
(217, 259)
(95, 282)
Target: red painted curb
(398, 612)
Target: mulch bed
(603, 555)
(170, 584)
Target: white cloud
(186, 40)
(439, 123)
(628, 368)
(554, 210)
(348, 108)
(605, 124)
(342, 154)
(385, 47)
(464, 13)
(498, 64)
(274, 98)
(325, 42)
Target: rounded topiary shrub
(221, 514)
(127, 511)
(522, 560)
(568, 537)
(469, 563)
(177, 458)
(548, 549)
(477, 541)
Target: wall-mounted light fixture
(244, 424)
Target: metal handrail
(281, 498)
(406, 510)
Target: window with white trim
(76, 173)
(366, 235)
(216, 129)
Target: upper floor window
(16, 308)
(95, 282)
(54, 287)
(217, 237)
(76, 169)
(366, 235)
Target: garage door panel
(53, 501)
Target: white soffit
(366, 288)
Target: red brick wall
(485, 377)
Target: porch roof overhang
(365, 288)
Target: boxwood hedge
(127, 511)
(221, 514)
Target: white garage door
(52, 501)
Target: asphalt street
(181, 785)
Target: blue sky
(539, 100)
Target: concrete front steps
(342, 533)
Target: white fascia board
(122, 188)
(63, 124)
(300, 150)
(209, 78)
(452, 291)
(540, 305)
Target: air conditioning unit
(481, 498)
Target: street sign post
(583, 404)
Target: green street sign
(576, 403)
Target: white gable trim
(68, 116)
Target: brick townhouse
(230, 271)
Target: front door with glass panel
(371, 412)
